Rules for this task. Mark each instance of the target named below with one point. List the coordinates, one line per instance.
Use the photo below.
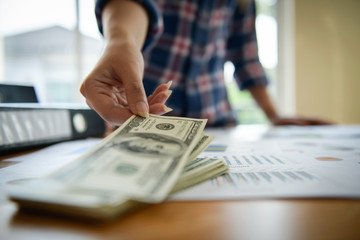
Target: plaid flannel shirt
(188, 42)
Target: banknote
(141, 160)
(97, 205)
(202, 144)
(199, 170)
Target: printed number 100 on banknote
(141, 160)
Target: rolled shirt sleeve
(155, 20)
(242, 49)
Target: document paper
(285, 162)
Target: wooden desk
(252, 219)
(282, 219)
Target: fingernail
(142, 110)
(168, 93)
(169, 84)
(167, 109)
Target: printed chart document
(284, 162)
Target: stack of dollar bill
(142, 162)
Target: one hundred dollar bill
(141, 160)
(90, 186)
(53, 196)
(200, 146)
(199, 170)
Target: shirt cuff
(250, 75)
(156, 25)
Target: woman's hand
(114, 88)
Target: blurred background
(309, 49)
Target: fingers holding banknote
(110, 101)
(114, 88)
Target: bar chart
(238, 179)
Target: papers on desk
(322, 132)
(286, 162)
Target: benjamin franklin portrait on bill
(148, 144)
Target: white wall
(327, 50)
(286, 57)
(2, 63)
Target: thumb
(131, 75)
(136, 96)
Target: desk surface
(303, 219)
(251, 219)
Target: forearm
(263, 99)
(125, 22)
(114, 87)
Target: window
(42, 44)
(243, 105)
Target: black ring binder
(24, 126)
